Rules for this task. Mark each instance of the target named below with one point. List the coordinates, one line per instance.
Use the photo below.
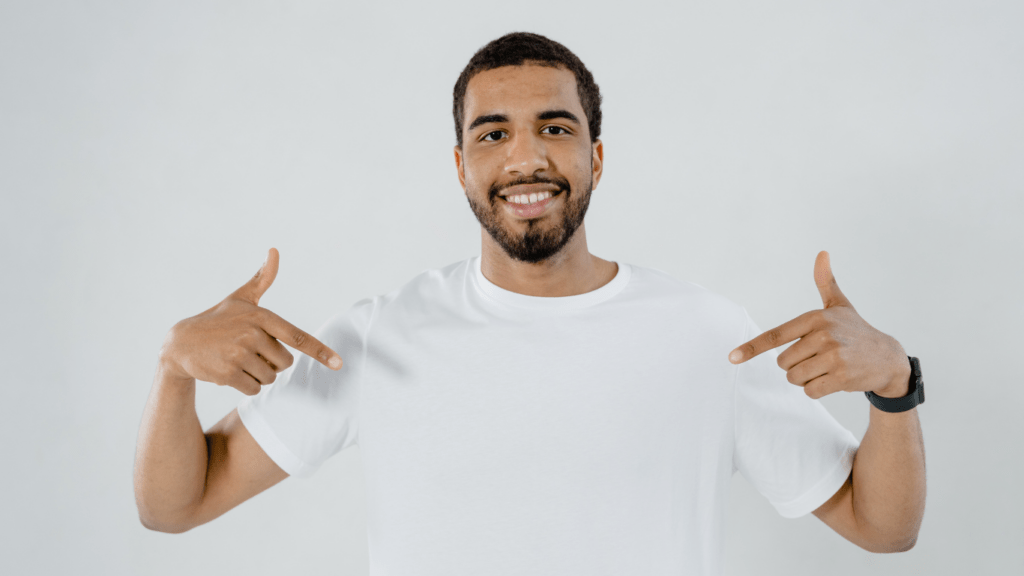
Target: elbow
(165, 528)
(149, 525)
(157, 522)
(887, 541)
(893, 547)
(906, 545)
(878, 542)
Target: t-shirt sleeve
(788, 446)
(310, 412)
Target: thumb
(254, 289)
(831, 295)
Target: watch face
(916, 381)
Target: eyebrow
(546, 115)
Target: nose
(526, 154)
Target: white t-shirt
(509, 434)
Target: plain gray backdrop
(151, 153)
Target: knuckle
(299, 339)
(256, 332)
(240, 338)
(230, 371)
(235, 354)
(773, 337)
(222, 368)
(829, 319)
(831, 357)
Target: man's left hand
(838, 350)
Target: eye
(486, 136)
(563, 130)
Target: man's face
(525, 132)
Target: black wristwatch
(914, 397)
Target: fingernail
(735, 356)
(335, 363)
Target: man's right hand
(235, 343)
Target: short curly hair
(517, 48)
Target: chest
(467, 395)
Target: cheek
(475, 177)
(578, 171)
(475, 184)
(579, 160)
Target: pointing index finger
(299, 339)
(783, 334)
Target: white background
(151, 154)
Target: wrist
(167, 366)
(171, 371)
(900, 385)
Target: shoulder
(426, 290)
(653, 283)
(423, 292)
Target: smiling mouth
(530, 211)
(554, 195)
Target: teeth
(528, 199)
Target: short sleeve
(310, 412)
(788, 446)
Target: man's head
(527, 116)
(516, 48)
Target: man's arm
(898, 512)
(882, 503)
(185, 478)
(889, 474)
(171, 456)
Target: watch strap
(914, 397)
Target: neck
(573, 271)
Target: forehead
(521, 90)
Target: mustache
(562, 184)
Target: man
(538, 409)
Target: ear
(597, 161)
(459, 167)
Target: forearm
(171, 456)
(889, 477)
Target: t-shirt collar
(549, 303)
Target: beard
(543, 237)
